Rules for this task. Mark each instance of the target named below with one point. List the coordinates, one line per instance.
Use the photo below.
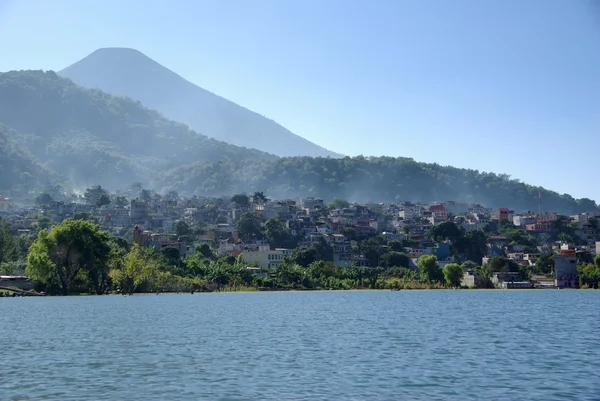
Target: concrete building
(138, 209)
(565, 268)
(500, 214)
(469, 279)
(264, 257)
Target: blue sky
(505, 86)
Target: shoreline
(300, 291)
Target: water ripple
(420, 345)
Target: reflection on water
(303, 346)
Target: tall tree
(8, 245)
(103, 200)
(259, 198)
(121, 201)
(136, 269)
(93, 194)
(43, 199)
(429, 268)
(474, 245)
(241, 201)
(338, 204)
(74, 247)
(249, 226)
(453, 274)
(396, 259)
(276, 233)
(445, 231)
(304, 256)
(182, 229)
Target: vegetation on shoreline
(77, 257)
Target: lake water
(360, 345)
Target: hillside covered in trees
(57, 132)
(89, 136)
(19, 168)
(364, 179)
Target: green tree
(44, 222)
(453, 274)
(8, 246)
(43, 199)
(395, 246)
(135, 271)
(86, 216)
(103, 200)
(205, 251)
(545, 264)
(350, 233)
(322, 270)
(372, 250)
(121, 201)
(70, 249)
(303, 256)
(429, 268)
(249, 226)
(218, 274)
(171, 256)
(498, 264)
(259, 198)
(93, 194)
(241, 201)
(589, 275)
(338, 204)
(445, 231)
(323, 249)
(396, 259)
(484, 279)
(469, 265)
(276, 233)
(473, 244)
(182, 229)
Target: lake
(355, 345)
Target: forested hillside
(88, 136)
(367, 179)
(19, 168)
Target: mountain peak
(129, 72)
(106, 54)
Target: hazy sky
(508, 86)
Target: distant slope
(19, 168)
(90, 137)
(363, 179)
(128, 72)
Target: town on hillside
(500, 247)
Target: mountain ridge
(88, 136)
(56, 132)
(129, 72)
